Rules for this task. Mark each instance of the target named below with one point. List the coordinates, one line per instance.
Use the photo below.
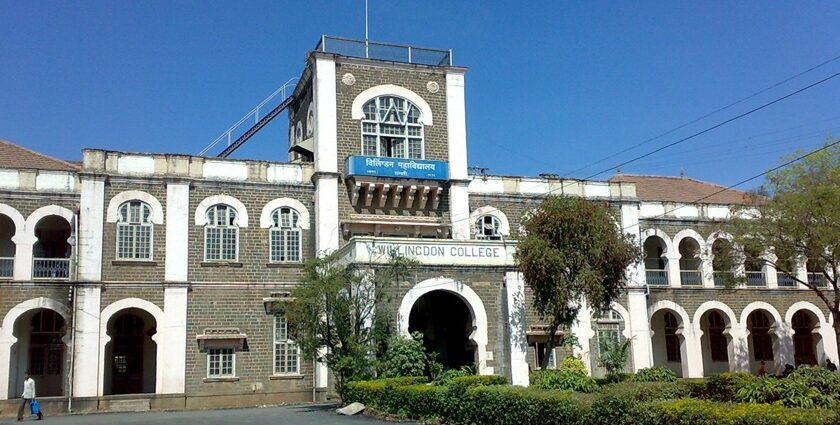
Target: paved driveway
(288, 415)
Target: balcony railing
(51, 268)
(817, 279)
(722, 278)
(657, 277)
(384, 51)
(785, 280)
(7, 267)
(756, 279)
(691, 278)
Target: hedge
(484, 400)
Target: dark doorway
(132, 354)
(803, 338)
(446, 324)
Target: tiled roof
(680, 189)
(18, 157)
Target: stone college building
(148, 280)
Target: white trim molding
(470, 298)
(504, 224)
(201, 209)
(265, 216)
(45, 211)
(113, 214)
(16, 217)
(669, 245)
(391, 90)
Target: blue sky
(552, 86)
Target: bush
(368, 392)
(704, 412)
(504, 405)
(618, 402)
(574, 365)
(446, 377)
(404, 357)
(463, 382)
(563, 380)
(788, 392)
(722, 387)
(820, 378)
(655, 374)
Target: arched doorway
(40, 349)
(667, 341)
(446, 323)
(804, 342)
(131, 354)
(715, 342)
(760, 325)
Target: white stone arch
(113, 213)
(504, 224)
(625, 317)
(470, 298)
(707, 306)
(201, 209)
(761, 305)
(689, 233)
(268, 209)
(805, 305)
(392, 90)
(719, 235)
(160, 325)
(45, 211)
(16, 217)
(669, 245)
(824, 328)
(691, 361)
(8, 338)
(685, 319)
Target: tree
(794, 217)
(338, 314)
(572, 252)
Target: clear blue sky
(552, 86)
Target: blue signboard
(379, 166)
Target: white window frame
(552, 356)
(123, 222)
(378, 134)
(497, 226)
(287, 342)
(221, 375)
(277, 227)
(213, 225)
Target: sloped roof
(680, 189)
(18, 157)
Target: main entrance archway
(446, 324)
(460, 296)
(131, 355)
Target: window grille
(285, 236)
(286, 352)
(391, 127)
(488, 228)
(220, 362)
(134, 231)
(221, 234)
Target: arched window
(285, 236)
(717, 338)
(609, 326)
(221, 234)
(487, 228)
(310, 122)
(391, 127)
(134, 231)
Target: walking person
(28, 397)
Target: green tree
(573, 251)
(795, 216)
(338, 314)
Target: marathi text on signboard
(397, 168)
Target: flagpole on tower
(367, 55)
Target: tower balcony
(384, 51)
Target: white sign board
(432, 251)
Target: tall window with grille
(221, 234)
(672, 342)
(608, 326)
(286, 352)
(717, 338)
(285, 236)
(221, 363)
(134, 231)
(759, 327)
(391, 127)
(488, 227)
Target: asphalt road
(286, 415)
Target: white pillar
(692, 354)
(456, 128)
(783, 351)
(829, 343)
(707, 270)
(23, 254)
(674, 279)
(177, 231)
(91, 216)
(86, 369)
(738, 348)
(517, 333)
(174, 341)
(582, 329)
(459, 210)
(639, 328)
(802, 272)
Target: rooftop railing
(384, 51)
(755, 278)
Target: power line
(684, 139)
(747, 180)
(659, 136)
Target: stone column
(639, 328)
(86, 369)
(174, 341)
(738, 347)
(673, 268)
(517, 331)
(692, 355)
(24, 240)
(783, 351)
(90, 228)
(707, 270)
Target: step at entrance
(130, 405)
